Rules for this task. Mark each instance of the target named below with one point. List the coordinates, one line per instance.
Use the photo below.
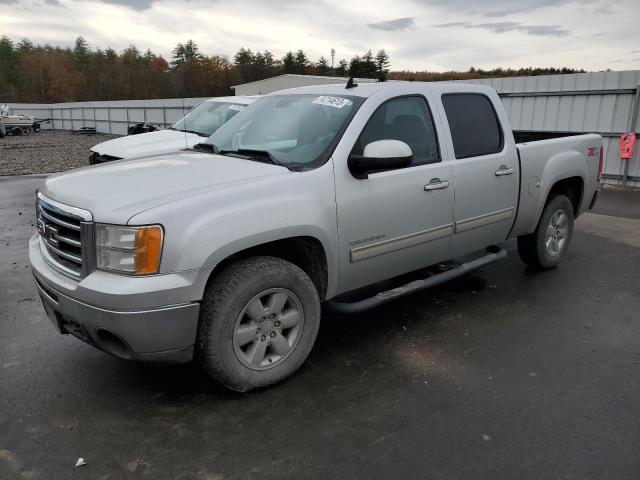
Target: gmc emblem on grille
(48, 233)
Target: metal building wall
(603, 102)
(288, 80)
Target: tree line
(44, 73)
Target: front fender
(203, 230)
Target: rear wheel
(258, 322)
(36, 127)
(547, 245)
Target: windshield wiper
(253, 154)
(200, 134)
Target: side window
(474, 125)
(407, 119)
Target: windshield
(293, 130)
(207, 117)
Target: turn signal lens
(129, 250)
(148, 249)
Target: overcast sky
(435, 35)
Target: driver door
(400, 220)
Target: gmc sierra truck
(198, 124)
(351, 196)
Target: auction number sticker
(336, 102)
(239, 108)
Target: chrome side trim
(64, 209)
(482, 220)
(399, 243)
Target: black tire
(17, 132)
(221, 313)
(533, 249)
(35, 127)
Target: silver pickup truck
(348, 196)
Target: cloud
(317, 26)
(498, 8)
(504, 27)
(395, 25)
(138, 5)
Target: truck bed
(542, 162)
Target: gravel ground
(46, 152)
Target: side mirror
(380, 155)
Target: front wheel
(548, 244)
(258, 322)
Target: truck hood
(116, 191)
(145, 144)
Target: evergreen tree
(289, 63)
(322, 67)
(343, 68)
(81, 51)
(382, 65)
(301, 62)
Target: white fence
(108, 117)
(607, 103)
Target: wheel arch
(305, 251)
(572, 188)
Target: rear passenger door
(485, 169)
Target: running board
(493, 253)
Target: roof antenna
(351, 83)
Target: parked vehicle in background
(19, 124)
(143, 127)
(316, 194)
(199, 123)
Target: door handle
(504, 170)
(436, 184)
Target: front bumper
(154, 319)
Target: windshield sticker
(336, 102)
(239, 108)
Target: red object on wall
(626, 145)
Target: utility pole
(333, 55)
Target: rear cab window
(475, 128)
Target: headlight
(130, 250)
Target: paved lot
(504, 374)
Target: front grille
(66, 235)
